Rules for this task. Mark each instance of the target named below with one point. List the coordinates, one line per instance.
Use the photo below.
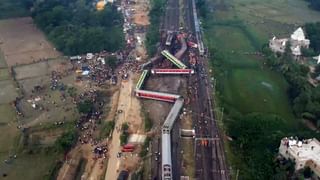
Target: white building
(297, 41)
(304, 153)
(317, 58)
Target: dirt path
(140, 16)
(130, 107)
(98, 168)
(68, 170)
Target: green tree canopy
(75, 27)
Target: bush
(107, 129)
(124, 135)
(144, 151)
(148, 123)
(124, 138)
(66, 141)
(153, 33)
(85, 106)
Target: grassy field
(234, 32)
(31, 166)
(28, 164)
(243, 82)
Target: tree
(255, 138)
(314, 4)
(74, 28)
(85, 106)
(125, 134)
(112, 61)
(66, 140)
(307, 173)
(317, 69)
(313, 34)
(107, 129)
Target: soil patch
(22, 43)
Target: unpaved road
(130, 107)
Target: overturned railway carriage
(166, 165)
(172, 71)
(157, 95)
(173, 59)
(169, 38)
(141, 79)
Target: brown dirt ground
(131, 108)
(68, 170)
(140, 16)
(141, 19)
(157, 110)
(22, 43)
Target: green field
(235, 32)
(31, 166)
(243, 82)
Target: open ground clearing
(141, 10)
(23, 43)
(51, 101)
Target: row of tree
(313, 34)
(75, 27)
(153, 33)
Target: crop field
(23, 43)
(39, 69)
(8, 91)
